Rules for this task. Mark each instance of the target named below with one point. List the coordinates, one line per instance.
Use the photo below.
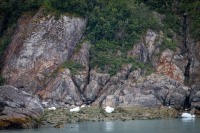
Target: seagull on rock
(52, 108)
(109, 109)
(76, 109)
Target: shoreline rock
(18, 109)
(63, 115)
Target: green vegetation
(174, 10)
(80, 7)
(74, 67)
(168, 44)
(114, 26)
(13, 9)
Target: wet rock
(18, 109)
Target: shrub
(115, 27)
(174, 12)
(168, 44)
(74, 67)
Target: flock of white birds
(110, 110)
(77, 109)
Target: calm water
(137, 126)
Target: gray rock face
(82, 55)
(167, 65)
(18, 109)
(161, 89)
(153, 91)
(195, 96)
(61, 89)
(42, 44)
(143, 51)
(113, 84)
(45, 43)
(97, 82)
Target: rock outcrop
(152, 91)
(18, 109)
(42, 44)
(167, 66)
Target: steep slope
(128, 61)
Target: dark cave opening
(187, 102)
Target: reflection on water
(188, 119)
(74, 127)
(184, 125)
(109, 125)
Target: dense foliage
(73, 66)
(114, 26)
(174, 10)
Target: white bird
(109, 109)
(82, 106)
(76, 109)
(52, 108)
(187, 115)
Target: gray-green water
(136, 126)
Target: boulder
(18, 109)
(152, 91)
(61, 89)
(166, 65)
(144, 50)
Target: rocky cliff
(37, 61)
(18, 109)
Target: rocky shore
(19, 109)
(59, 117)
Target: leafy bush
(74, 67)
(168, 44)
(12, 9)
(115, 26)
(174, 12)
(4, 41)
